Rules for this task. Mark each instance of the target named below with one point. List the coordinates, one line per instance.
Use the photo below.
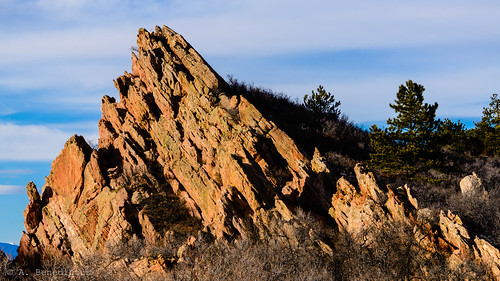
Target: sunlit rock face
(175, 133)
(180, 154)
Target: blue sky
(59, 57)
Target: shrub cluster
(391, 253)
(328, 130)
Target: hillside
(198, 179)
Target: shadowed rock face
(179, 154)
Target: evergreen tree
(488, 129)
(409, 143)
(457, 138)
(322, 102)
(454, 136)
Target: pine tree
(409, 143)
(488, 129)
(455, 136)
(322, 102)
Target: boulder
(472, 185)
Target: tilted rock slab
(363, 208)
(176, 130)
(178, 145)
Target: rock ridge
(180, 154)
(176, 131)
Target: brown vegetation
(393, 253)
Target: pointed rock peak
(67, 169)
(33, 212)
(413, 201)
(164, 50)
(77, 140)
(32, 191)
(318, 163)
(176, 144)
(367, 183)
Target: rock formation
(472, 185)
(181, 154)
(360, 209)
(175, 134)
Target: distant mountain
(9, 249)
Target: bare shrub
(393, 253)
(309, 129)
(252, 260)
(388, 253)
(479, 213)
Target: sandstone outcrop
(357, 210)
(472, 185)
(180, 154)
(176, 134)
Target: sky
(59, 57)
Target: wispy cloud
(75, 43)
(279, 27)
(98, 29)
(15, 172)
(29, 142)
(11, 189)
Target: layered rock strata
(175, 131)
(179, 154)
(358, 210)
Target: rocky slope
(181, 154)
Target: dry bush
(391, 253)
(479, 213)
(252, 260)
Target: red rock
(177, 143)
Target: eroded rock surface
(359, 209)
(176, 134)
(179, 154)
(472, 185)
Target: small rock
(318, 163)
(138, 197)
(472, 185)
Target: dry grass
(393, 254)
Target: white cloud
(61, 4)
(15, 172)
(279, 27)
(30, 142)
(11, 189)
(41, 47)
(100, 29)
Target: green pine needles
(488, 129)
(410, 142)
(322, 102)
